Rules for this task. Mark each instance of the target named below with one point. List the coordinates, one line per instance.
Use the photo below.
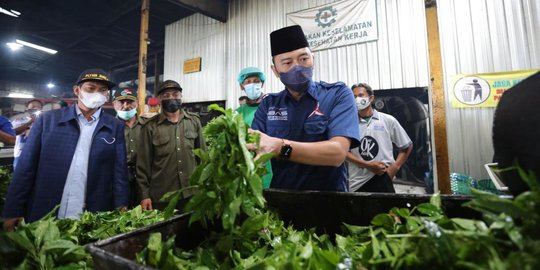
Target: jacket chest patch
(277, 114)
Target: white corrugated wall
(197, 36)
(397, 60)
(482, 36)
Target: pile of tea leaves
(50, 243)
(250, 236)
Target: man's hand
(146, 204)
(32, 118)
(31, 121)
(267, 144)
(377, 167)
(392, 170)
(11, 223)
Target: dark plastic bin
(118, 252)
(325, 211)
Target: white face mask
(362, 102)
(92, 100)
(253, 90)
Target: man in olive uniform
(125, 105)
(165, 159)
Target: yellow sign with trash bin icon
(483, 89)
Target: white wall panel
(397, 59)
(481, 37)
(477, 36)
(197, 36)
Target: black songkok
(287, 39)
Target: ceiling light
(7, 12)
(50, 85)
(15, 12)
(14, 46)
(37, 47)
(20, 95)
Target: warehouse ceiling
(87, 33)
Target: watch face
(286, 151)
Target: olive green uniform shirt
(165, 157)
(132, 135)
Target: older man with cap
(165, 158)
(75, 157)
(310, 126)
(125, 104)
(251, 80)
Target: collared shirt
(20, 140)
(377, 136)
(74, 195)
(327, 110)
(165, 157)
(132, 135)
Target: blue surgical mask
(253, 90)
(298, 78)
(126, 115)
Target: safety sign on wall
(338, 24)
(483, 89)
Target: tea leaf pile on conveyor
(101, 225)
(508, 238)
(227, 176)
(419, 238)
(49, 243)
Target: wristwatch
(286, 150)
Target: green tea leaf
(173, 198)
(429, 209)
(436, 200)
(383, 220)
(466, 224)
(307, 250)
(154, 249)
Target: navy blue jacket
(38, 181)
(327, 110)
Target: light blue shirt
(73, 198)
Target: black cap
(95, 74)
(169, 84)
(287, 39)
(125, 94)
